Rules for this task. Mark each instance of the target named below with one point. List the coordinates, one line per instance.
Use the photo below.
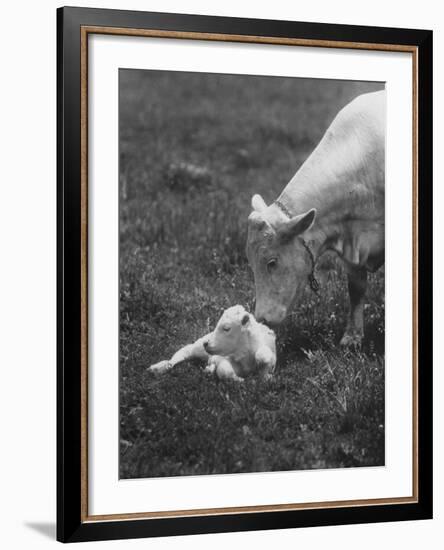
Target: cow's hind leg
(357, 286)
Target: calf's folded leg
(266, 361)
(223, 369)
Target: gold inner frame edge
(153, 33)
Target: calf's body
(238, 347)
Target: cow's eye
(226, 328)
(271, 264)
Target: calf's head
(231, 333)
(280, 262)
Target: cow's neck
(332, 221)
(284, 209)
(334, 196)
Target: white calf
(238, 347)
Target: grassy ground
(193, 150)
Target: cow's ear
(258, 203)
(296, 226)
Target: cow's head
(280, 262)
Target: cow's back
(346, 170)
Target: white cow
(334, 202)
(238, 347)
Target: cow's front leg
(357, 286)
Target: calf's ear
(296, 226)
(245, 319)
(258, 203)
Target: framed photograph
(244, 274)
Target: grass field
(193, 150)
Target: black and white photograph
(244, 274)
(251, 269)
(221, 298)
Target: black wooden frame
(70, 527)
